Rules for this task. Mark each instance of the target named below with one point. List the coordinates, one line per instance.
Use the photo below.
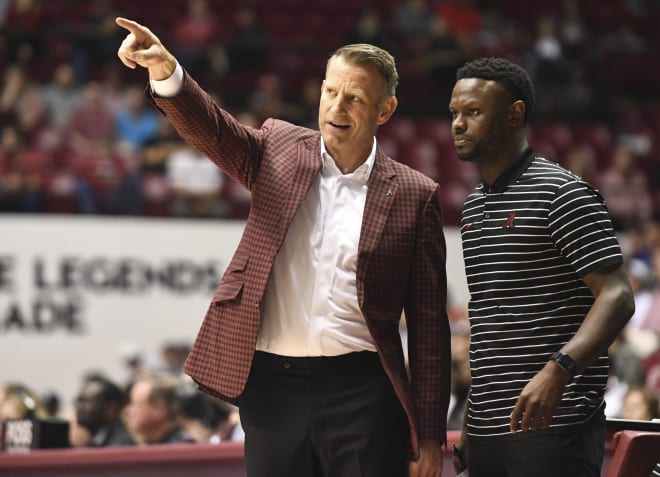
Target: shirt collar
(363, 172)
(512, 173)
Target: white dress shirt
(310, 305)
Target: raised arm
(141, 47)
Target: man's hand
(539, 399)
(430, 460)
(142, 47)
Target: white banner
(77, 291)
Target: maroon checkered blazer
(401, 257)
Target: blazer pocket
(228, 291)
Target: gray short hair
(365, 54)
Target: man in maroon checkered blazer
(303, 331)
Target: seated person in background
(640, 403)
(99, 406)
(151, 414)
(17, 401)
(625, 188)
(196, 183)
(203, 418)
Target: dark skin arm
(613, 306)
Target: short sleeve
(581, 228)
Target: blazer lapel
(308, 164)
(381, 193)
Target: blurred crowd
(157, 405)
(77, 136)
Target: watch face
(566, 362)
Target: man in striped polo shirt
(547, 286)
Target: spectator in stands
(642, 281)
(173, 356)
(91, 121)
(156, 186)
(370, 28)
(203, 418)
(464, 19)
(15, 82)
(625, 370)
(310, 102)
(247, 46)
(354, 347)
(99, 407)
(22, 173)
(581, 161)
(137, 124)
(151, 414)
(643, 329)
(193, 34)
(107, 182)
(113, 88)
(412, 20)
(548, 290)
(624, 186)
(268, 101)
(623, 40)
(573, 30)
(640, 403)
(32, 115)
(18, 401)
(23, 31)
(549, 65)
(62, 95)
(51, 402)
(94, 37)
(652, 319)
(196, 184)
(442, 54)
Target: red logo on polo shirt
(509, 222)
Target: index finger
(134, 27)
(516, 416)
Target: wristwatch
(565, 362)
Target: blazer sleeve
(429, 346)
(237, 149)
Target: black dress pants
(322, 417)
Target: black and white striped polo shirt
(527, 241)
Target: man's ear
(517, 113)
(387, 109)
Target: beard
(469, 153)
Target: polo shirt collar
(512, 173)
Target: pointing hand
(142, 47)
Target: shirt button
(286, 365)
(256, 304)
(487, 216)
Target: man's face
(141, 414)
(479, 119)
(353, 104)
(92, 409)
